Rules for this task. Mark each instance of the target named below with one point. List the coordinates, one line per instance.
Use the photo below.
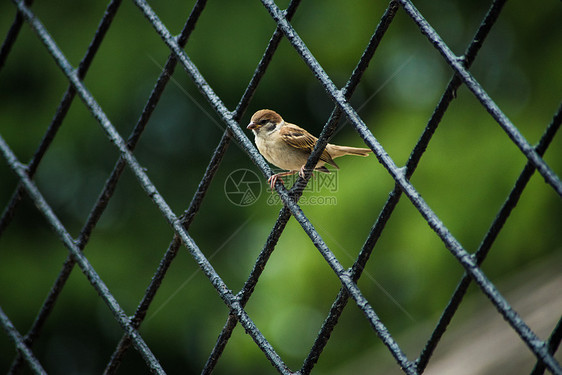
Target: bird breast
(280, 154)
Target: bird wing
(297, 137)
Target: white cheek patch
(270, 128)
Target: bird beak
(252, 126)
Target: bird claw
(273, 180)
(301, 172)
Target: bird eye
(263, 122)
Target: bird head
(266, 119)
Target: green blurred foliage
(468, 170)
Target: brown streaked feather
(300, 139)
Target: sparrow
(288, 146)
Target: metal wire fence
(236, 301)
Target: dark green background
(468, 170)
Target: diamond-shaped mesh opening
(350, 272)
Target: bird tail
(346, 150)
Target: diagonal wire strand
(453, 245)
(170, 254)
(21, 345)
(11, 36)
(489, 238)
(553, 343)
(48, 137)
(464, 258)
(369, 275)
(172, 250)
(148, 186)
(394, 197)
(213, 165)
(264, 254)
(62, 109)
(341, 273)
(42, 205)
(458, 66)
(195, 273)
(285, 213)
(236, 303)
